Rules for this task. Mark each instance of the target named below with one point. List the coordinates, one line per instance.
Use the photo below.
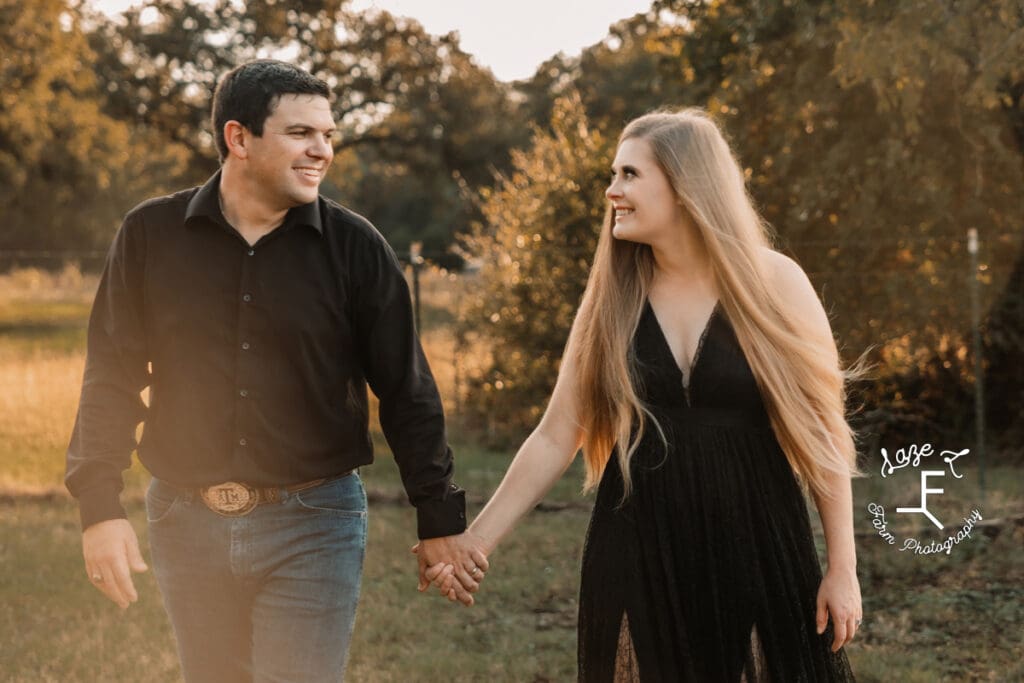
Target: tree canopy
(873, 135)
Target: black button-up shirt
(257, 358)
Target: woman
(702, 381)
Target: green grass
(954, 618)
(55, 627)
(936, 618)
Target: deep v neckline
(685, 375)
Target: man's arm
(411, 413)
(110, 409)
(540, 462)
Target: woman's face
(646, 207)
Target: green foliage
(57, 149)
(417, 116)
(539, 230)
(873, 135)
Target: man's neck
(246, 209)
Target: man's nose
(322, 148)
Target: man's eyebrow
(306, 127)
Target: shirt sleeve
(411, 413)
(116, 370)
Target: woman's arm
(539, 463)
(839, 593)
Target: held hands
(455, 564)
(111, 551)
(839, 596)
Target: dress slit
(626, 668)
(755, 670)
(707, 571)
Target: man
(257, 311)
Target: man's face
(290, 159)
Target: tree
(59, 153)
(874, 135)
(415, 113)
(539, 230)
(958, 69)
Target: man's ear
(236, 136)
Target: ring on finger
(97, 578)
(476, 571)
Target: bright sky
(511, 38)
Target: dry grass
(955, 618)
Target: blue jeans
(268, 597)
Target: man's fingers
(422, 584)
(107, 584)
(459, 594)
(123, 581)
(433, 571)
(446, 582)
(464, 597)
(455, 592)
(445, 578)
(111, 552)
(135, 560)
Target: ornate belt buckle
(230, 499)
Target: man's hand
(457, 565)
(111, 549)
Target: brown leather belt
(235, 499)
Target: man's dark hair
(249, 93)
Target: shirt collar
(205, 202)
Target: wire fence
(901, 298)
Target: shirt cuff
(98, 505)
(436, 518)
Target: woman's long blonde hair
(802, 384)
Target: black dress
(708, 571)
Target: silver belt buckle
(230, 499)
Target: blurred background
(884, 142)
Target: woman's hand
(839, 597)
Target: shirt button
(252, 252)
(242, 442)
(247, 298)
(243, 393)
(245, 346)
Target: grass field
(927, 618)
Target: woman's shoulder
(786, 275)
(794, 286)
